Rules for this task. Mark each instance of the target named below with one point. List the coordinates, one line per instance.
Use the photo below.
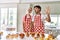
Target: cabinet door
(32, 1)
(9, 1)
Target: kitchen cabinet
(32, 1)
(9, 1)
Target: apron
(27, 21)
(38, 24)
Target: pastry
(32, 34)
(21, 35)
(7, 36)
(27, 34)
(42, 37)
(38, 35)
(35, 38)
(12, 36)
(1, 33)
(50, 37)
(16, 35)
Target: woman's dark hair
(38, 7)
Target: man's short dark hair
(38, 7)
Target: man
(38, 19)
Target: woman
(27, 20)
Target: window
(54, 19)
(8, 17)
(4, 16)
(12, 17)
(59, 20)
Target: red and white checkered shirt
(38, 24)
(27, 21)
